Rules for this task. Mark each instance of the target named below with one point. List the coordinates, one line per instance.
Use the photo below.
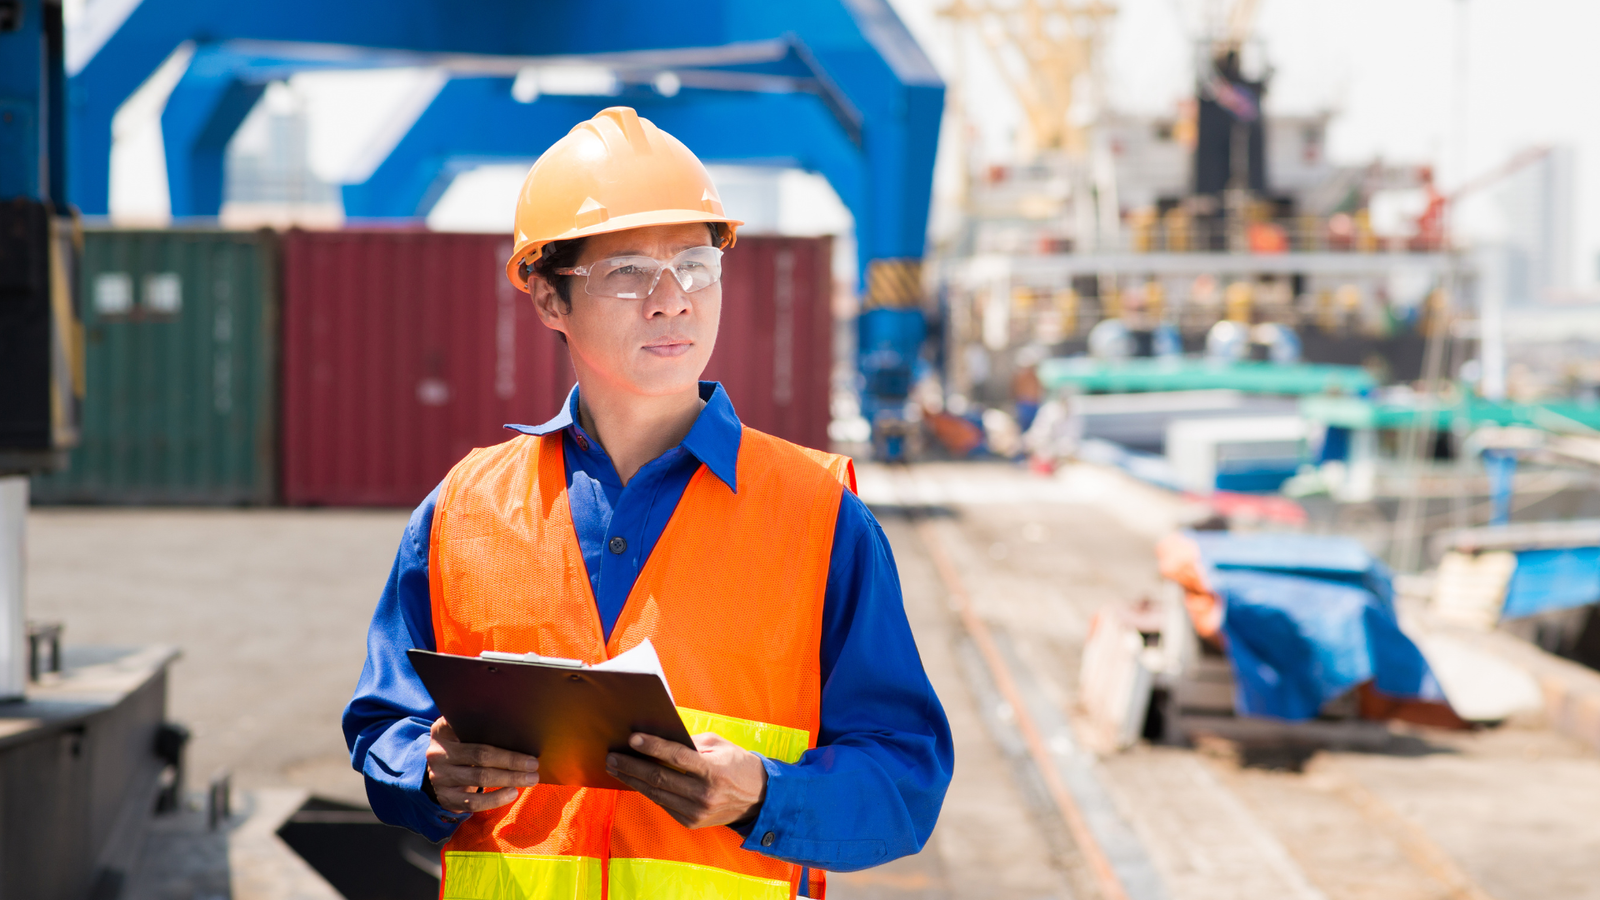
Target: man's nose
(668, 298)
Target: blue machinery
(837, 87)
(39, 343)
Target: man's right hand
(475, 777)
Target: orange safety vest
(731, 597)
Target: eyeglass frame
(654, 282)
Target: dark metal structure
(1230, 149)
(38, 349)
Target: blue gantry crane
(838, 87)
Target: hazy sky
(1386, 68)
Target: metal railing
(1180, 233)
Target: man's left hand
(718, 783)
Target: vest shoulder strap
(488, 472)
(841, 468)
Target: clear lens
(635, 277)
(698, 268)
(625, 277)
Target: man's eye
(629, 270)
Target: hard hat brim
(529, 250)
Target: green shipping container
(180, 337)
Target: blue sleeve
(872, 788)
(386, 724)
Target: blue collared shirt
(870, 791)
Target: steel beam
(854, 56)
(475, 120)
(202, 113)
(27, 103)
(1058, 268)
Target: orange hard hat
(611, 173)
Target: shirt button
(618, 544)
(583, 442)
(768, 838)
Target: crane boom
(1241, 21)
(1042, 49)
(1505, 170)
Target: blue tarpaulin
(1305, 619)
(1548, 580)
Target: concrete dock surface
(1002, 570)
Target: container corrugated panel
(179, 356)
(402, 351)
(775, 344)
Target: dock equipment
(40, 336)
(1303, 620)
(1357, 413)
(1086, 375)
(837, 87)
(81, 760)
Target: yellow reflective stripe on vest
(772, 741)
(660, 879)
(503, 876)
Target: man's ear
(547, 303)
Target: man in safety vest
(645, 510)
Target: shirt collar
(567, 416)
(713, 439)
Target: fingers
(484, 756)
(445, 747)
(654, 775)
(682, 795)
(711, 741)
(475, 777)
(457, 799)
(442, 731)
(720, 783)
(444, 774)
(671, 752)
(487, 757)
(686, 812)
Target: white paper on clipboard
(642, 659)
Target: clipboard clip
(558, 661)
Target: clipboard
(568, 717)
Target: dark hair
(559, 255)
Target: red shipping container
(403, 350)
(775, 344)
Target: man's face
(652, 347)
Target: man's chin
(667, 381)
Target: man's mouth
(672, 346)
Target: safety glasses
(635, 277)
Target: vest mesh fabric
(731, 597)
